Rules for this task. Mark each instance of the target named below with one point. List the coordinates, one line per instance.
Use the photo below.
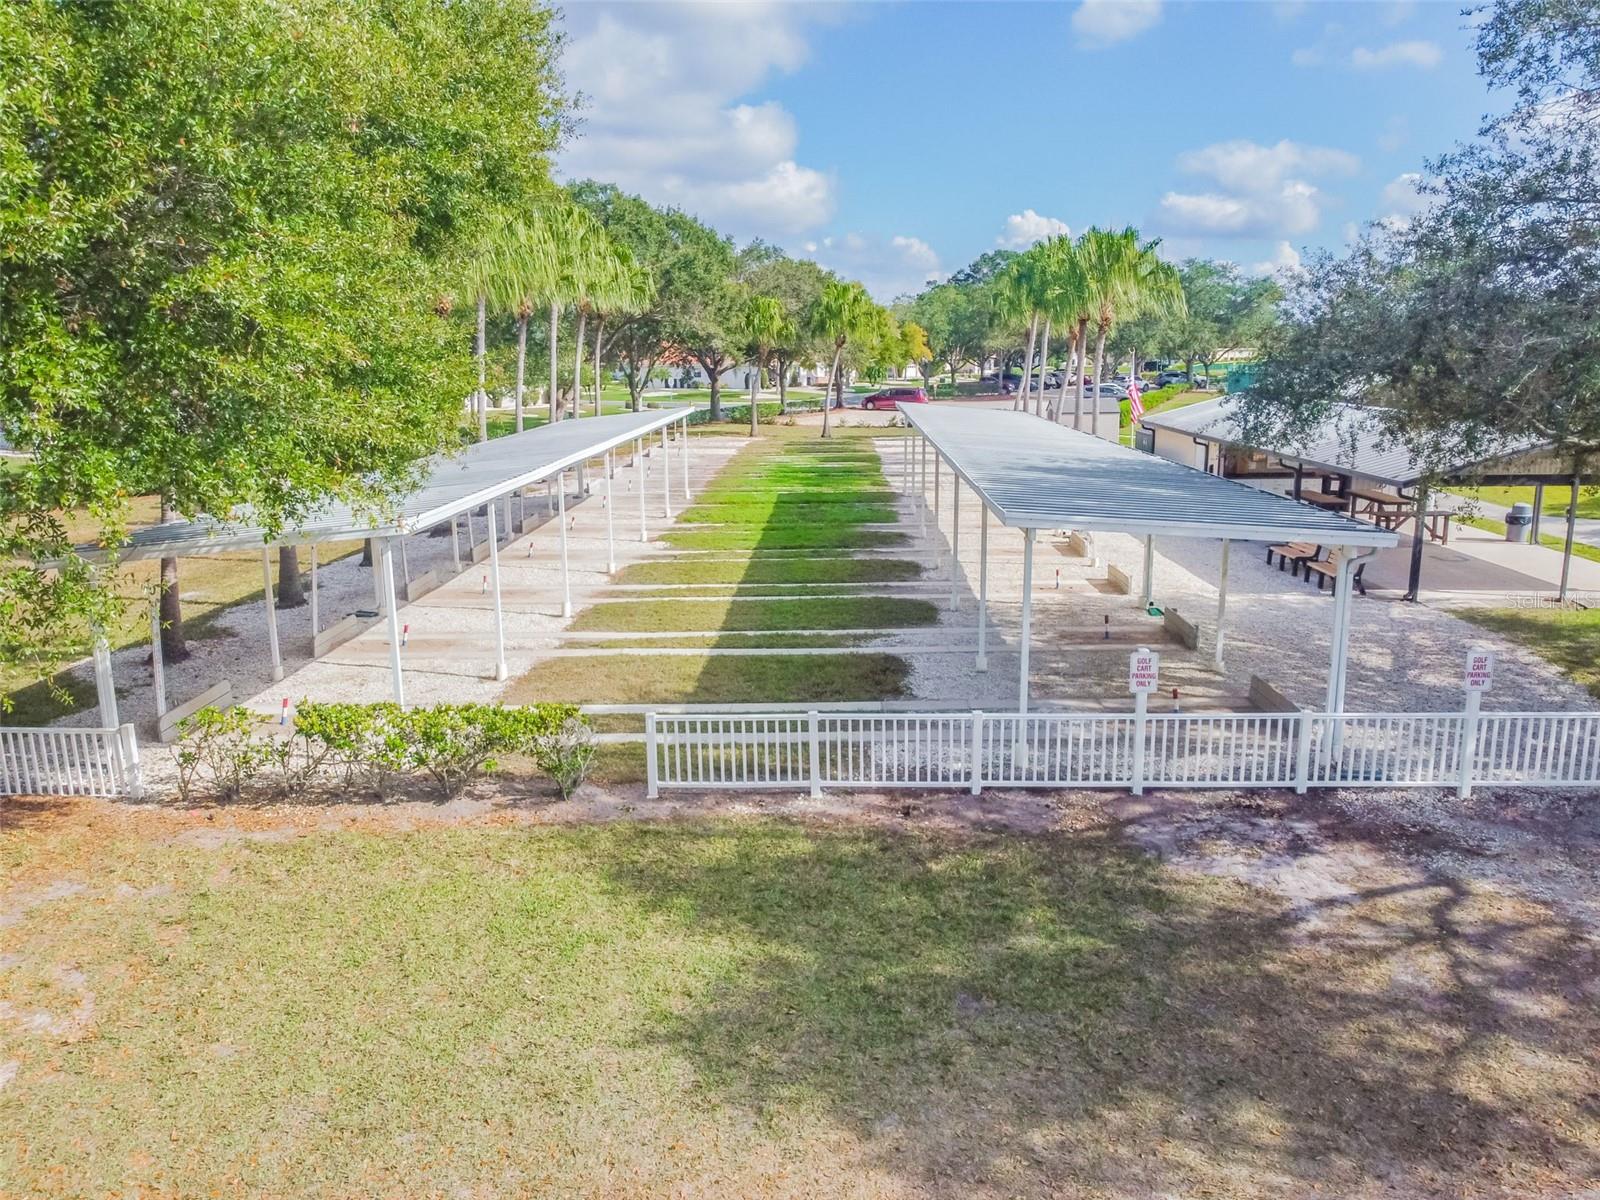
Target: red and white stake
(283, 712)
(405, 634)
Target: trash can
(1519, 522)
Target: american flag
(1135, 405)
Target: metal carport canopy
(1035, 474)
(451, 485)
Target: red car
(889, 397)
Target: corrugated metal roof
(1348, 442)
(1039, 475)
(453, 485)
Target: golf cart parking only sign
(1144, 670)
(1480, 669)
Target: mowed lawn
(750, 1009)
(1570, 638)
(790, 492)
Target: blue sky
(895, 142)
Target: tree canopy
(226, 233)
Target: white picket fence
(70, 762)
(976, 750)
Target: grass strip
(685, 679)
(788, 537)
(773, 571)
(777, 512)
(725, 641)
(778, 614)
(1567, 637)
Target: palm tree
(628, 290)
(1127, 280)
(581, 250)
(1017, 297)
(763, 326)
(527, 278)
(842, 312)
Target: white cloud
(1100, 23)
(1419, 54)
(1284, 263)
(1025, 228)
(1307, 56)
(888, 267)
(1402, 199)
(683, 136)
(1260, 191)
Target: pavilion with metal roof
(1032, 474)
(482, 476)
(1350, 446)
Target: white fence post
(1469, 743)
(652, 779)
(813, 722)
(132, 775)
(1302, 753)
(977, 751)
(1141, 724)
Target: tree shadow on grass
(1033, 1016)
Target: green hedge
(228, 752)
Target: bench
(1328, 568)
(1293, 552)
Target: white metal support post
(1480, 671)
(611, 512)
(666, 477)
(105, 684)
(651, 778)
(955, 542)
(1222, 602)
(385, 571)
(922, 493)
(455, 544)
(638, 461)
(977, 751)
(566, 574)
(1340, 648)
(983, 589)
(272, 616)
(938, 548)
(1141, 724)
(1027, 618)
(157, 663)
(1148, 588)
(814, 749)
(683, 446)
(315, 623)
(500, 669)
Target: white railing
(69, 762)
(976, 750)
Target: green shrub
(225, 748)
(566, 753)
(372, 745)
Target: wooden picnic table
(1326, 500)
(1380, 498)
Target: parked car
(1012, 379)
(1168, 378)
(889, 397)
